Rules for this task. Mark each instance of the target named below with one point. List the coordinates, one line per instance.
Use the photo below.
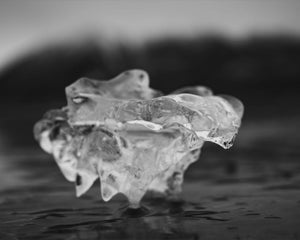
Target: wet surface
(249, 192)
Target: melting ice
(131, 136)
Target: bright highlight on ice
(131, 136)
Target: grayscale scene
(149, 120)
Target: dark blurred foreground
(251, 191)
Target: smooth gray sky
(26, 24)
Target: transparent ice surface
(131, 136)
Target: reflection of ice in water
(133, 138)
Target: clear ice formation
(131, 136)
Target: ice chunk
(133, 84)
(131, 137)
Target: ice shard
(134, 138)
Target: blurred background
(248, 49)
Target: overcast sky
(25, 24)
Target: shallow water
(249, 192)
